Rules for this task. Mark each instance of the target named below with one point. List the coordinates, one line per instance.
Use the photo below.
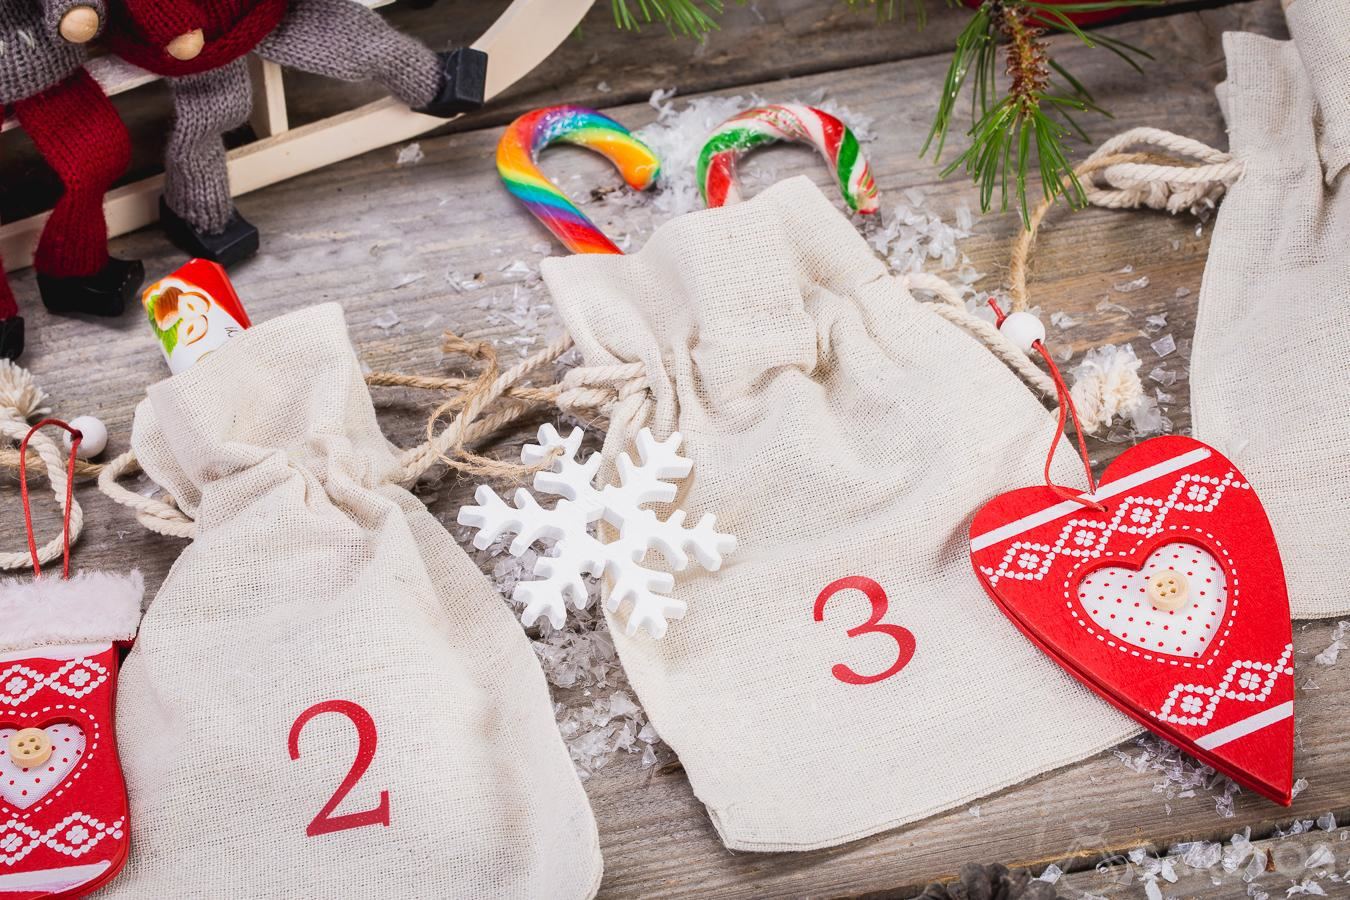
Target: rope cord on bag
(1133, 178)
(1131, 169)
(502, 396)
(1140, 167)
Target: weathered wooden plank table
(378, 237)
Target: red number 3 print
(325, 822)
(903, 637)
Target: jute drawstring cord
(504, 399)
(166, 518)
(1140, 167)
(953, 309)
(481, 405)
(495, 400)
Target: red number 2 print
(903, 637)
(325, 822)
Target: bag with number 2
(327, 698)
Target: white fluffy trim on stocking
(91, 607)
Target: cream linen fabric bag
(1270, 370)
(838, 428)
(313, 579)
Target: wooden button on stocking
(30, 747)
(1167, 590)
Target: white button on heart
(30, 747)
(1167, 590)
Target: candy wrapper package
(327, 698)
(844, 433)
(1269, 369)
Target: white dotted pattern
(22, 787)
(1083, 616)
(1116, 598)
(73, 836)
(1086, 539)
(1245, 681)
(76, 679)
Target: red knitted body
(77, 130)
(139, 30)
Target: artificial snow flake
(578, 553)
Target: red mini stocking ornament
(1160, 588)
(63, 805)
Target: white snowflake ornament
(578, 553)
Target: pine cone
(992, 882)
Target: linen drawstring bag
(1271, 352)
(326, 697)
(1272, 339)
(840, 673)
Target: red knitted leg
(8, 307)
(79, 133)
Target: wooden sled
(525, 34)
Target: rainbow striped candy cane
(517, 161)
(785, 122)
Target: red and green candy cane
(785, 122)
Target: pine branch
(1035, 113)
(692, 18)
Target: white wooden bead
(95, 438)
(1023, 329)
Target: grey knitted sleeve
(53, 11)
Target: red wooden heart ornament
(1170, 602)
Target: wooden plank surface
(1298, 860)
(434, 244)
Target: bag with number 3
(843, 672)
(327, 698)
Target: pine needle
(692, 18)
(1036, 112)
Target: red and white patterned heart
(22, 786)
(1165, 595)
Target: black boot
(463, 83)
(104, 294)
(11, 337)
(235, 244)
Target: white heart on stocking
(23, 787)
(1116, 599)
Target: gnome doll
(78, 132)
(200, 45)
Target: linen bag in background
(313, 579)
(839, 429)
(1270, 367)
